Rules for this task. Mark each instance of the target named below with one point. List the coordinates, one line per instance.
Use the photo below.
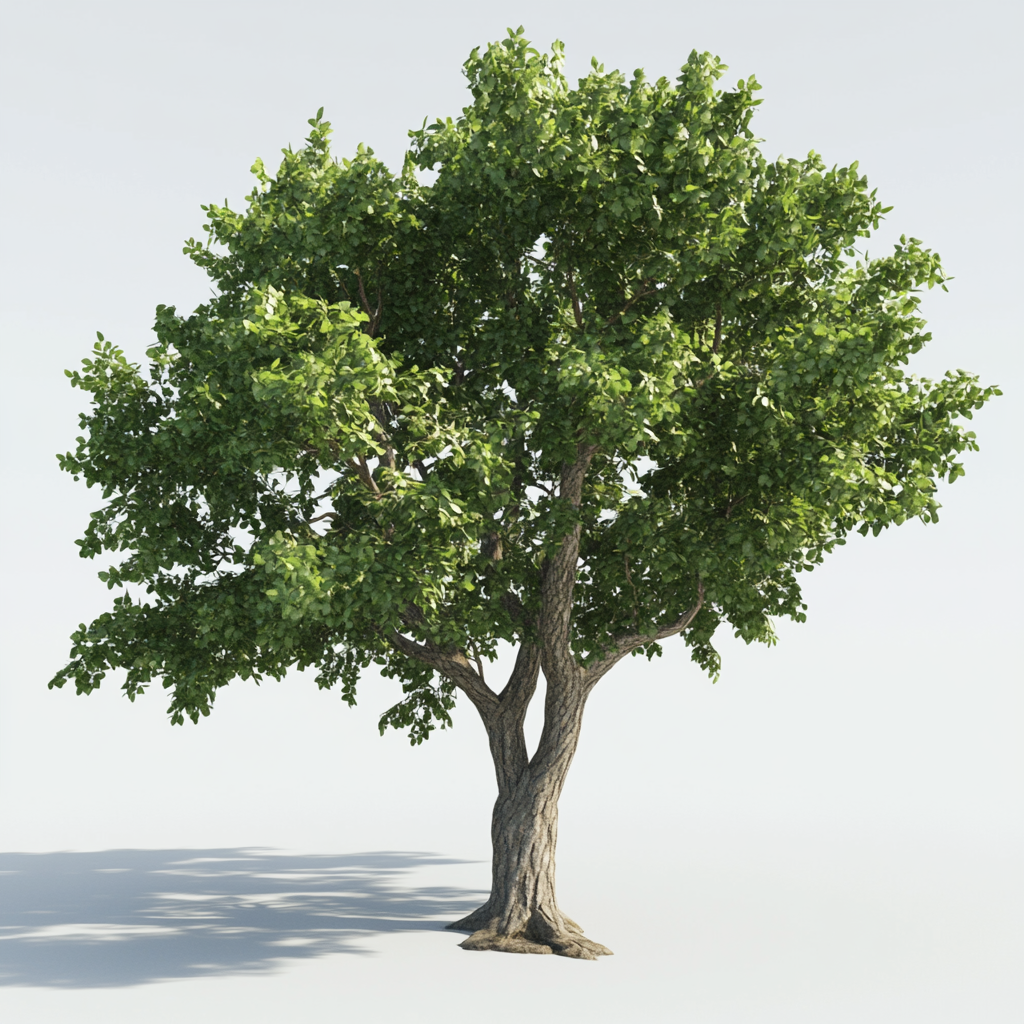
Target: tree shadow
(126, 917)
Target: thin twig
(540, 263)
(362, 294)
(733, 503)
(374, 317)
(625, 309)
(629, 580)
(577, 312)
(341, 284)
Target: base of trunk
(541, 934)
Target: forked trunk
(522, 914)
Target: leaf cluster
(363, 432)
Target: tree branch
(373, 315)
(336, 272)
(505, 726)
(625, 309)
(479, 666)
(577, 312)
(523, 681)
(540, 263)
(632, 585)
(380, 411)
(511, 603)
(623, 645)
(733, 502)
(363, 471)
(559, 576)
(452, 664)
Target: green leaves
(363, 432)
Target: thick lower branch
(452, 664)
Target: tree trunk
(522, 915)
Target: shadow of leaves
(126, 917)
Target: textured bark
(522, 914)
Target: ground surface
(730, 929)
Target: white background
(833, 832)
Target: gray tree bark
(522, 914)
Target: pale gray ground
(832, 833)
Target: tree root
(539, 935)
(574, 946)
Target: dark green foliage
(363, 431)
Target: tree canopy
(356, 452)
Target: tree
(612, 378)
